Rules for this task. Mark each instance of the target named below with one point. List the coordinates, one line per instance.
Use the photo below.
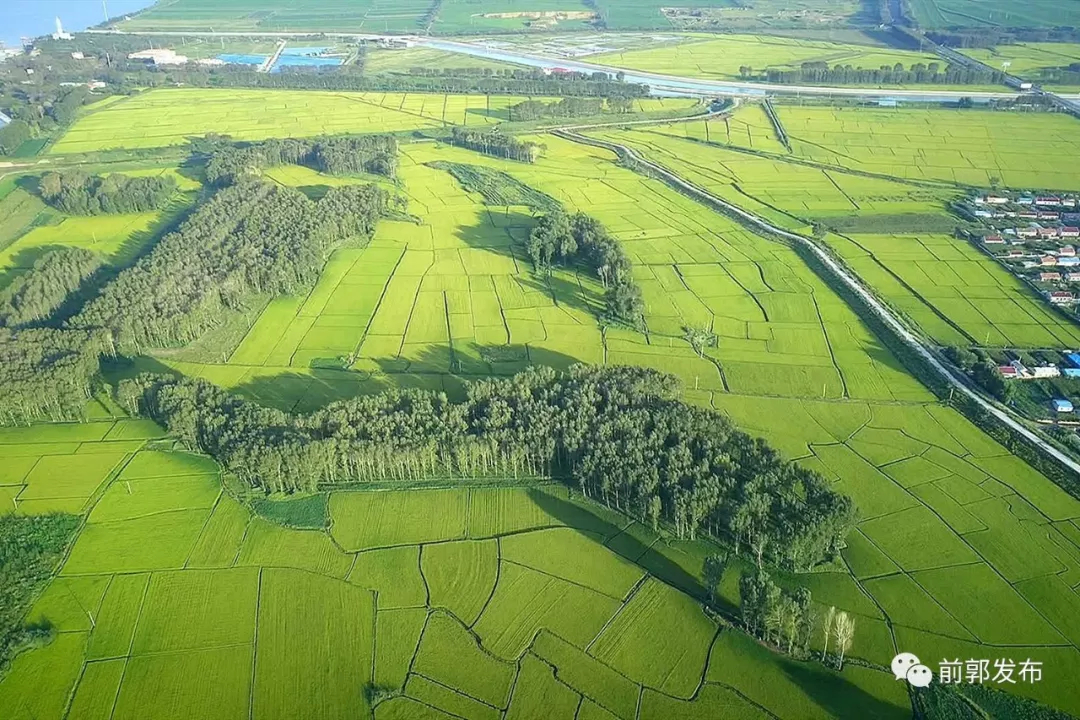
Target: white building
(160, 56)
(4, 119)
(60, 34)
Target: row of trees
(561, 239)
(253, 237)
(984, 36)
(36, 295)
(565, 108)
(375, 154)
(983, 370)
(618, 433)
(820, 73)
(495, 143)
(786, 619)
(13, 135)
(78, 193)
(30, 549)
(47, 373)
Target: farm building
(1008, 372)
(1023, 372)
(1061, 405)
(159, 56)
(1061, 297)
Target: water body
(32, 18)
(290, 56)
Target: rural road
(852, 282)
(659, 82)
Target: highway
(880, 309)
(706, 88)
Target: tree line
(562, 239)
(251, 237)
(30, 548)
(495, 143)
(987, 37)
(78, 193)
(981, 368)
(37, 294)
(620, 434)
(820, 73)
(228, 162)
(569, 107)
(785, 618)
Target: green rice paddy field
(282, 16)
(721, 58)
(170, 117)
(976, 13)
(178, 600)
(966, 147)
(956, 294)
(1027, 59)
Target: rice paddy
(975, 148)
(721, 58)
(179, 600)
(1028, 60)
(159, 118)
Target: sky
(37, 17)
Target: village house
(1047, 201)
(1047, 233)
(1048, 261)
(1072, 277)
(1067, 251)
(1068, 261)
(1060, 297)
(1070, 232)
(1027, 232)
(993, 240)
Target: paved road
(693, 86)
(852, 282)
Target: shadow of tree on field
(838, 696)
(654, 557)
(500, 239)
(502, 114)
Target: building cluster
(1070, 368)
(159, 56)
(1035, 236)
